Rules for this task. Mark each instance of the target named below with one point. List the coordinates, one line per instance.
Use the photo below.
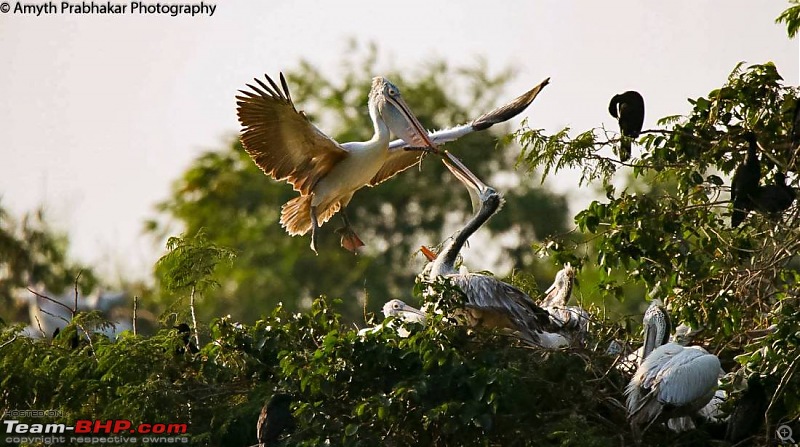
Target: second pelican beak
(404, 124)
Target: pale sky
(100, 113)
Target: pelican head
(387, 104)
(558, 294)
(402, 311)
(657, 327)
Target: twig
(89, 339)
(194, 317)
(135, 305)
(39, 323)
(49, 299)
(75, 308)
(52, 315)
(784, 380)
(9, 342)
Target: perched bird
(402, 312)
(275, 420)
(776, 198)
(672, 381)
(186, 338)
(287, 146)
(570, 318)
(489, 302)
(744, 185)
(628, 109)
(748, 414)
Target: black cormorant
(628, 109)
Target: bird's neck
(561, 295)
(382, 134)
(445, 263)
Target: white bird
(570, 318)
(287, 146)
(489, 302)
(673, 380)
(401, 312)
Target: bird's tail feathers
(624, 148)
(296, 214)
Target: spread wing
(281, 140)
(400, 159)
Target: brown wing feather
(281, 140)
(397, 162)
(486, 292)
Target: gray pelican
(489, 301)
(401, 312)
(287, 146)
(555, 303)
(672, 381)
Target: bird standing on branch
(673, 381)
(628, 109)
(744, 184)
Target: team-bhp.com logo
(88, 431)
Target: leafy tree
(675, 240)
(188, 267)
(226, 195)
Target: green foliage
(791, 17)
(443, 385)
(190, 263)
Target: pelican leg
(314, 228)
(350, 240)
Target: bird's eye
(392, 92)
(396, 306)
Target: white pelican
(489, 301)
(673, 381)
(402, 312)
(287, 146)
(571, 318)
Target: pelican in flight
(489, 302)
(628, 109)
(571, 318)
(287, 146)
(672, 381)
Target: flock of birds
(670, 382)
